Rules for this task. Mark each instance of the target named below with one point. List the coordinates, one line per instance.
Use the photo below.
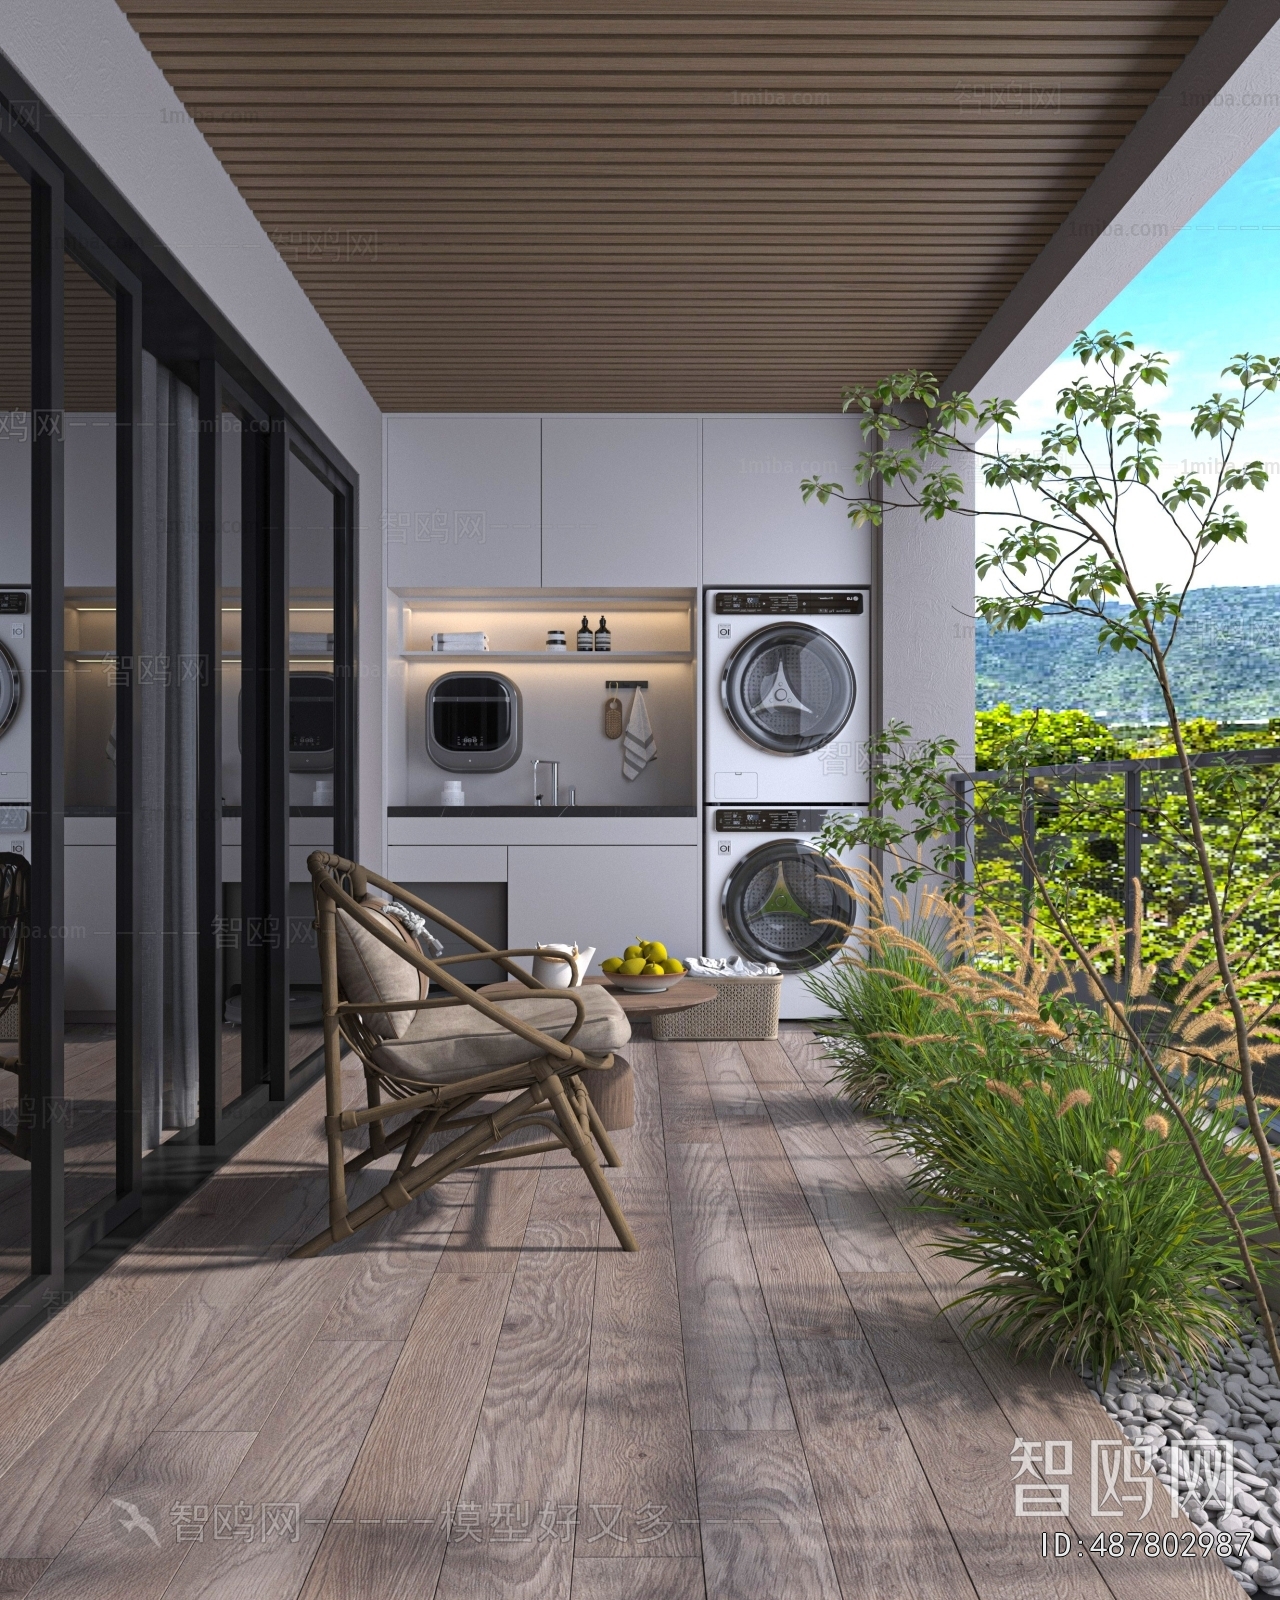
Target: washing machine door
(10, 689)
(785, 902)
(789, 688)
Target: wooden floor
(88, 1114)
(485, 1397)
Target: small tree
(1066, 548)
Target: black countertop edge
(542, 811)
(294, 811)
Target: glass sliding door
(231, 931)
(33, 1109)
(312, 736)
(18, 1108)
(177, 733)
(90, 735)
(169, 671)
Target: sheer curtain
(168, 675)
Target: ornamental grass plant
(1087, 1225)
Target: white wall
(925, 595)
(88, 65)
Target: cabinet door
(463, 502)
(619, 501)
(90, 910)
(603, 895)
(756, 527)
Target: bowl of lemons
(643, 968)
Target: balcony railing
(1103, 832)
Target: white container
(563, 974)
(322, 794)
(452, 795)
(556, 640)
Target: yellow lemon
(633, 952)
(632, 966)
(656, 951)
(652, 970)
(611, 965)
(672, 965)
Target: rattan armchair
(431, 1059)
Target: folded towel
(718, 967)
(460, 641)
(638, 747)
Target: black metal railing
(1095, 849)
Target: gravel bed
(1236, 1401)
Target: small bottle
(586, 639)
(451, 794)
(603, 638)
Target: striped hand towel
(638, 747)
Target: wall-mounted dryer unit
(311, 722)
(473, 722)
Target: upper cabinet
(463, 501)
(619, 501)
(756, 528)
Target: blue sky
(1212, 291)
(1215, 287)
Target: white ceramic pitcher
(563, 974)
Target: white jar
(452, 795)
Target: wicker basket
(745, 1008)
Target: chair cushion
(452, 1042)
(369, 972)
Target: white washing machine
(771, 896)
(787, 681)
(15, 720)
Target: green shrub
(1090, 1229)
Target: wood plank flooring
(482, 1396)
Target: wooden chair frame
(15, 937)
(551, 1092)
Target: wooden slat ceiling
(569, 205)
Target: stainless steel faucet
(544, 761)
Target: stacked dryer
(786, 728)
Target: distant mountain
(1225, 664)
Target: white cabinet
(603, 895)
(447, 863)
(756, 528)
(463, 501)
(619, 501)
(90, 909)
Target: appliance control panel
(13, 602)
(782, 820)
(811, 603)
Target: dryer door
(780, 904)
(789, 688)
(10, 689)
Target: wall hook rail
(626, 683)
